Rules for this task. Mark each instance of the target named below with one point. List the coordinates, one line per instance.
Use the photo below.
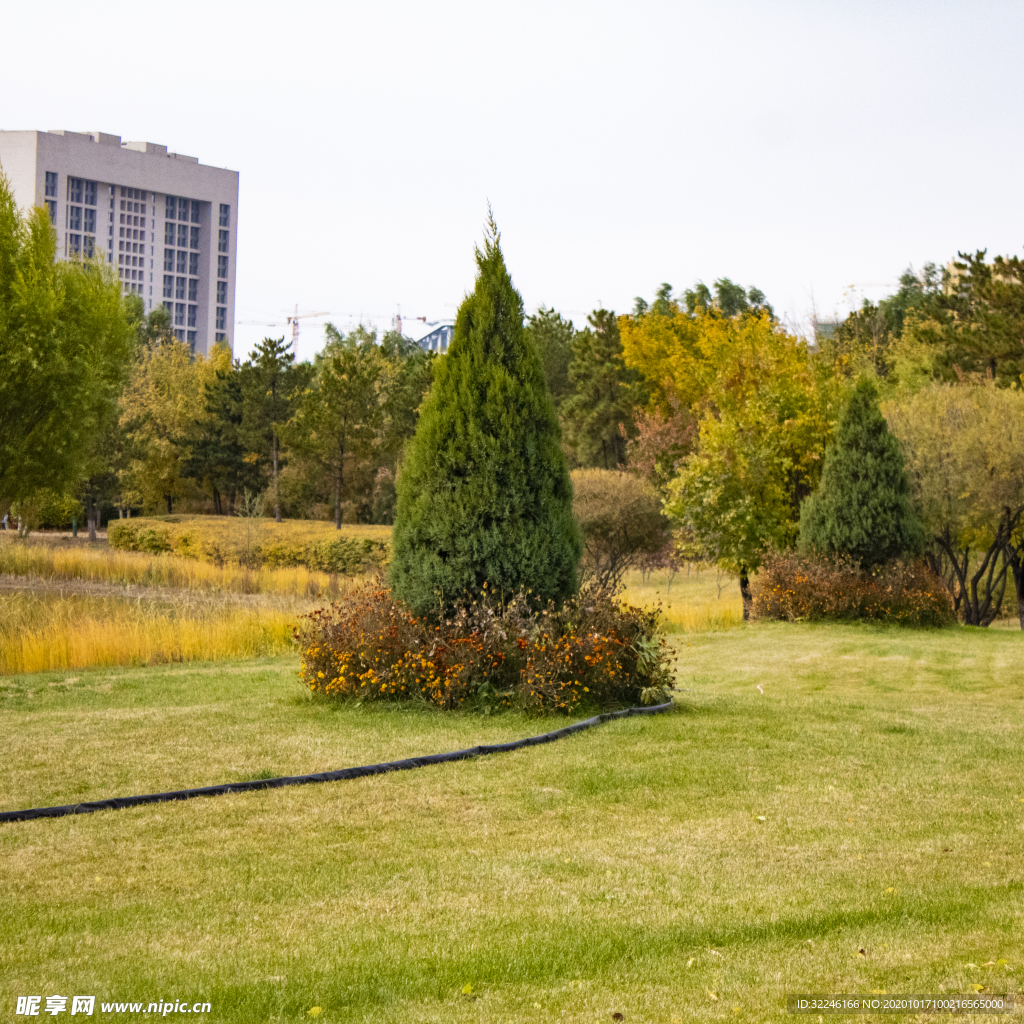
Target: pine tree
(862, 507)
(484, 495)
(599, 415)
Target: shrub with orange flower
(490, 653)
(793, 587)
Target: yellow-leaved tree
(763, 415)
(161, 408)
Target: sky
(814, 150)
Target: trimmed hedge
(342, 554)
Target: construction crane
(294, 321)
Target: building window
(225, 215)
(168, 259)
(75, 243)
(179, 314)
(51, 205)
(220, 338)
(182, 262)
(75, 218)
(195, 211)
(182, 209)
(222, 293)
(179, 289)
(193, 263)
(193, 290)
(74, 190)
(169, 306)
(191, 339)
(51, 183)
(168, 286)
(222, 314)
(90, 193)
(168, 234)
(89, 221)
(194, 238)
(171, 207)
(89, 245)
(192, 316)
(222, 242)
(182, 236)
(222, 266)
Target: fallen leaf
(890, 889)
(712, 995)
(861, 952)
(761, 817)
(467, 989)
(735, 1009)
(975, 966)
(977, 988)
(616, 1015)
(315, 1011)
(1000, 962)
(689, 963)
(879, 992)
(536, 1006)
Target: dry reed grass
(129, 568)
(39, 632)
(700, 601)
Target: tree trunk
(1015, 556)
(277, 493)
(120, 511)
(91, 516)
(748, 600)
(216, 501)
(339, 482)
(169, 498)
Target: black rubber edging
(119, 802)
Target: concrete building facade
(167, 223)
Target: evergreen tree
(553, 337)
(862, 507)
(272, 383)
(484, 495)
(599, 416)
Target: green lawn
(857, 827)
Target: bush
(132, 535)
(621, 519)
(794, 588)
(253, 542)
(484, 491)
(489, 654)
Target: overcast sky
(800, 147)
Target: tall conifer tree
(862, 506)
(484, 495)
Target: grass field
(696, 600)
(856, 827)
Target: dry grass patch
(697, 600)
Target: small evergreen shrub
(488, 653)
(793, 587)
(484, 491)
(862, 506)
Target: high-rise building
(166, 222)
